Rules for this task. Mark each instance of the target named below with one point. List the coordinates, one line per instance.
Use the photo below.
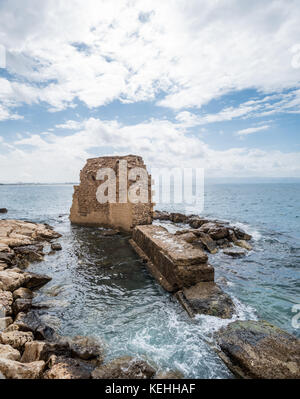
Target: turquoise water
(99, 287)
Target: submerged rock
(124, 368)
(56, 246)
(206, 298)
(169, 375)
(234, 252)
(257, 349)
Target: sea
(100, 287)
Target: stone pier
(181, 269)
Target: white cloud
(48, 157)
(97, 51)
(251, 130)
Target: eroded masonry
(87, 210)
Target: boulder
(160, 215)
(22, 293)
(195, 222)
(12, 279)
(86, 348)
(10, 353)
(6, 300)
(206, 298)
(21, 305)
(243, 244)
(5, 322)
(241, 234)
(17, 339)
(34, 280)
(178, 218)
(31, 322)
(189, 237)
(257, 349)
(32, 253)
(56, 247)
(12, 369)
(234, 252)
(208, 242)
(3, 210)
(8, 258)
(124, 368)
(42, 350)
(205, 227)
(218, 232)
(231, 235)
(61, 367)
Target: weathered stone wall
(87, 210)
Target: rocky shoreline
(30, 349)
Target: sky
(211, 84)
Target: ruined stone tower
(87, 210)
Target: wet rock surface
(257, 349)
(206, 298)
(124, 368)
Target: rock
(86, 348)
(31, 322)
(241, 235)
(15, 370)
(22, 293)
(234, 252)
(206, 298)
(8, 258)
(17, 339)
(3, 210)
(243, 244)
(56, 247)
(66, 368)
(195, 222)
(42, 350)
(160, 215)
(188, 237)
(231, 235)
(12, 279)
(208, 243)
(5, 322)
(124, 368)
(8, 352)
(178, 218)
(168, 375)
(110, 232)
(257, 349)
(34, 280)
(6, 300)
(21, 305)
(205, 227)
(32, 253)
(218, 232)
